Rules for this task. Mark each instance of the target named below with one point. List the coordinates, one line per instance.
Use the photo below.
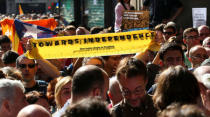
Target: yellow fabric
(91, 45)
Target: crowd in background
(171, 82)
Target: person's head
(206, 42)
(70, 30)
(34, 110)
(12, 72)
(206, 45)
(89, 80)
(111, 63)
(171, 54)
(124, 1)
(160, 27)
(169, 30)
(12, 98)
(203, 32)
(175, 39)
(35, 97)
(202, 74)
(59, 30)
(191, 37)
(88, 107)
(51, 90)
(81, 31)
(197, 55)
(159, 33)
(62, 91)
(9, 58)
(98, 61)
(176, 84)
(178, 110)
(95, 30)
(200, 71)
(114, 91)
(28, 67)
(132, 77)
(5, 43)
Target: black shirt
(41, 86)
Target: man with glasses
(190, 38)
(197, 55)
(169, 30)
(132, 77)
(28, 67)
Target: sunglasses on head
(24, 65)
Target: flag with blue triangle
(30, 30)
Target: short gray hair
(8, 88)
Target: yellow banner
(91, 45)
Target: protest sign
(91, 45)
(135, 20)
(199, 16)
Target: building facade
(90, 13)
(28, 6)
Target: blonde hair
(62, 82)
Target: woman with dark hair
(176, 84)
(121, 6)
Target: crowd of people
(171, 82)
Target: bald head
(198, 54)
(203, 27)
(114, 91)
(34, 111)
(206, 42)
(200, 71)
(206, 45)
(195, 49)
(113, 84)
(203, 31)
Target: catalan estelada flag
(25, 30)
(20, 10)
(9, 29)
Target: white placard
(199, 16)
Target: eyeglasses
(137, 91)
(168, 33)
(200, 56)
(192, 37)
(25, 65)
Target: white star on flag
(31, 31)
